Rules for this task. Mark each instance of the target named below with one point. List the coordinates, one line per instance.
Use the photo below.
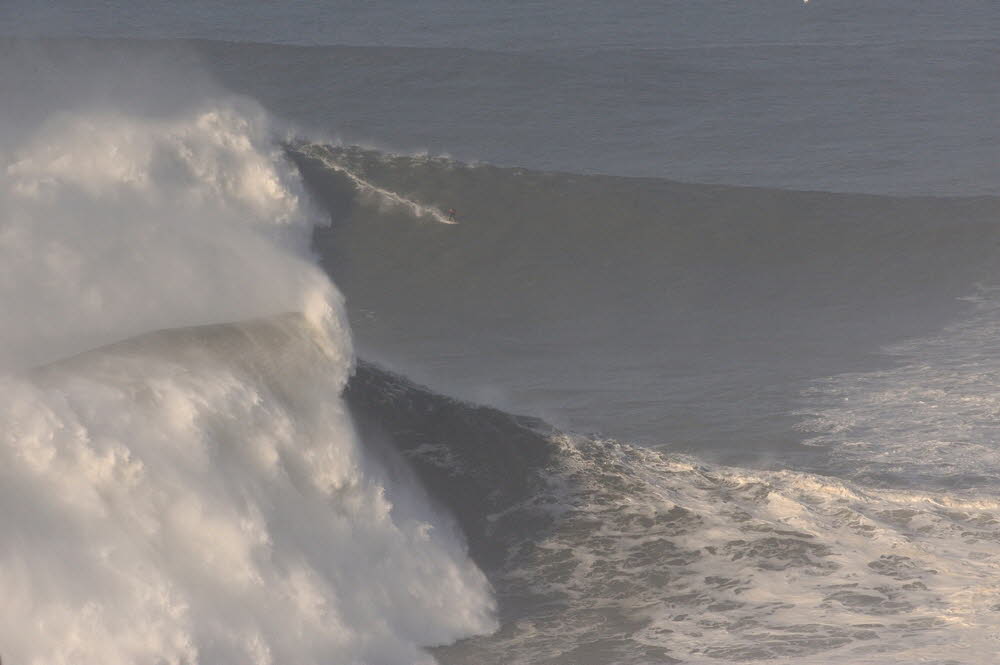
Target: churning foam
(654, 558)
(196, 495)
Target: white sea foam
(195, 495)
(930, 420)
(653, 557)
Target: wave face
(198, 494)
(601, 552)
(664, 313)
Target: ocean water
(499, 333)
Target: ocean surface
(470, 333)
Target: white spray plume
(194, 495)
(115, 225)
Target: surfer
(451, 214)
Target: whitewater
(197, 494)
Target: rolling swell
(659, 312)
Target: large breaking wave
(194, 495)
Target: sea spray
(115, 225)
